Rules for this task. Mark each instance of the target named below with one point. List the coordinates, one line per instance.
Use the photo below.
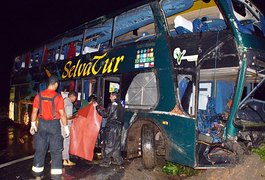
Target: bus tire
(148, 146)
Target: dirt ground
(135, 171)
(252, 168)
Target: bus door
(106, 86)
(89, 87)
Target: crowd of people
(51, 120)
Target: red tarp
(84, 132)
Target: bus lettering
(87, 68)
(66, 70)
(78, 62)
(118, 60)
(84, 69)
(94, 71)
(107, 66)
(71, 71)
(81, 69)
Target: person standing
(68, 107)
(112, 138)
(48, 106)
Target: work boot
(118, 161)
(105, 164)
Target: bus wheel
(148, 146)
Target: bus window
(69, 51)
(89, 88)
(31, 57)
(91, 44)
(63, 54)
(17, 63)
(111, 84)
(216, 90)
(185, 89)
(189, 17)
(78, 89)
(50, 52)
(11, 114)
(73, 85)
(249, 20)
(97, 38)
(22, 97)
(251, 112)
(51, 55)
(142, 92)
(65, 87)
(135, 25)
(35, 59)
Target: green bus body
(210, 57)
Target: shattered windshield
(251, 112)
(248, 17)
(256, 93)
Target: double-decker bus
(190, 74)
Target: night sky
(27, 23)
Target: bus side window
(142, 92)
(202, 17)
(134, 25)
(185, 89)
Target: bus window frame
(138, 38)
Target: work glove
(66, 131)
(33, 128)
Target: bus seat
(199, 26)
(182, 25)
(216, 24)
(205, 24)
(208, 119)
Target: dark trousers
(48, 135)
(112, 144)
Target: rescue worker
(112, 138)
(49, 106)
(68, 107)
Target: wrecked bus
(189, 73)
